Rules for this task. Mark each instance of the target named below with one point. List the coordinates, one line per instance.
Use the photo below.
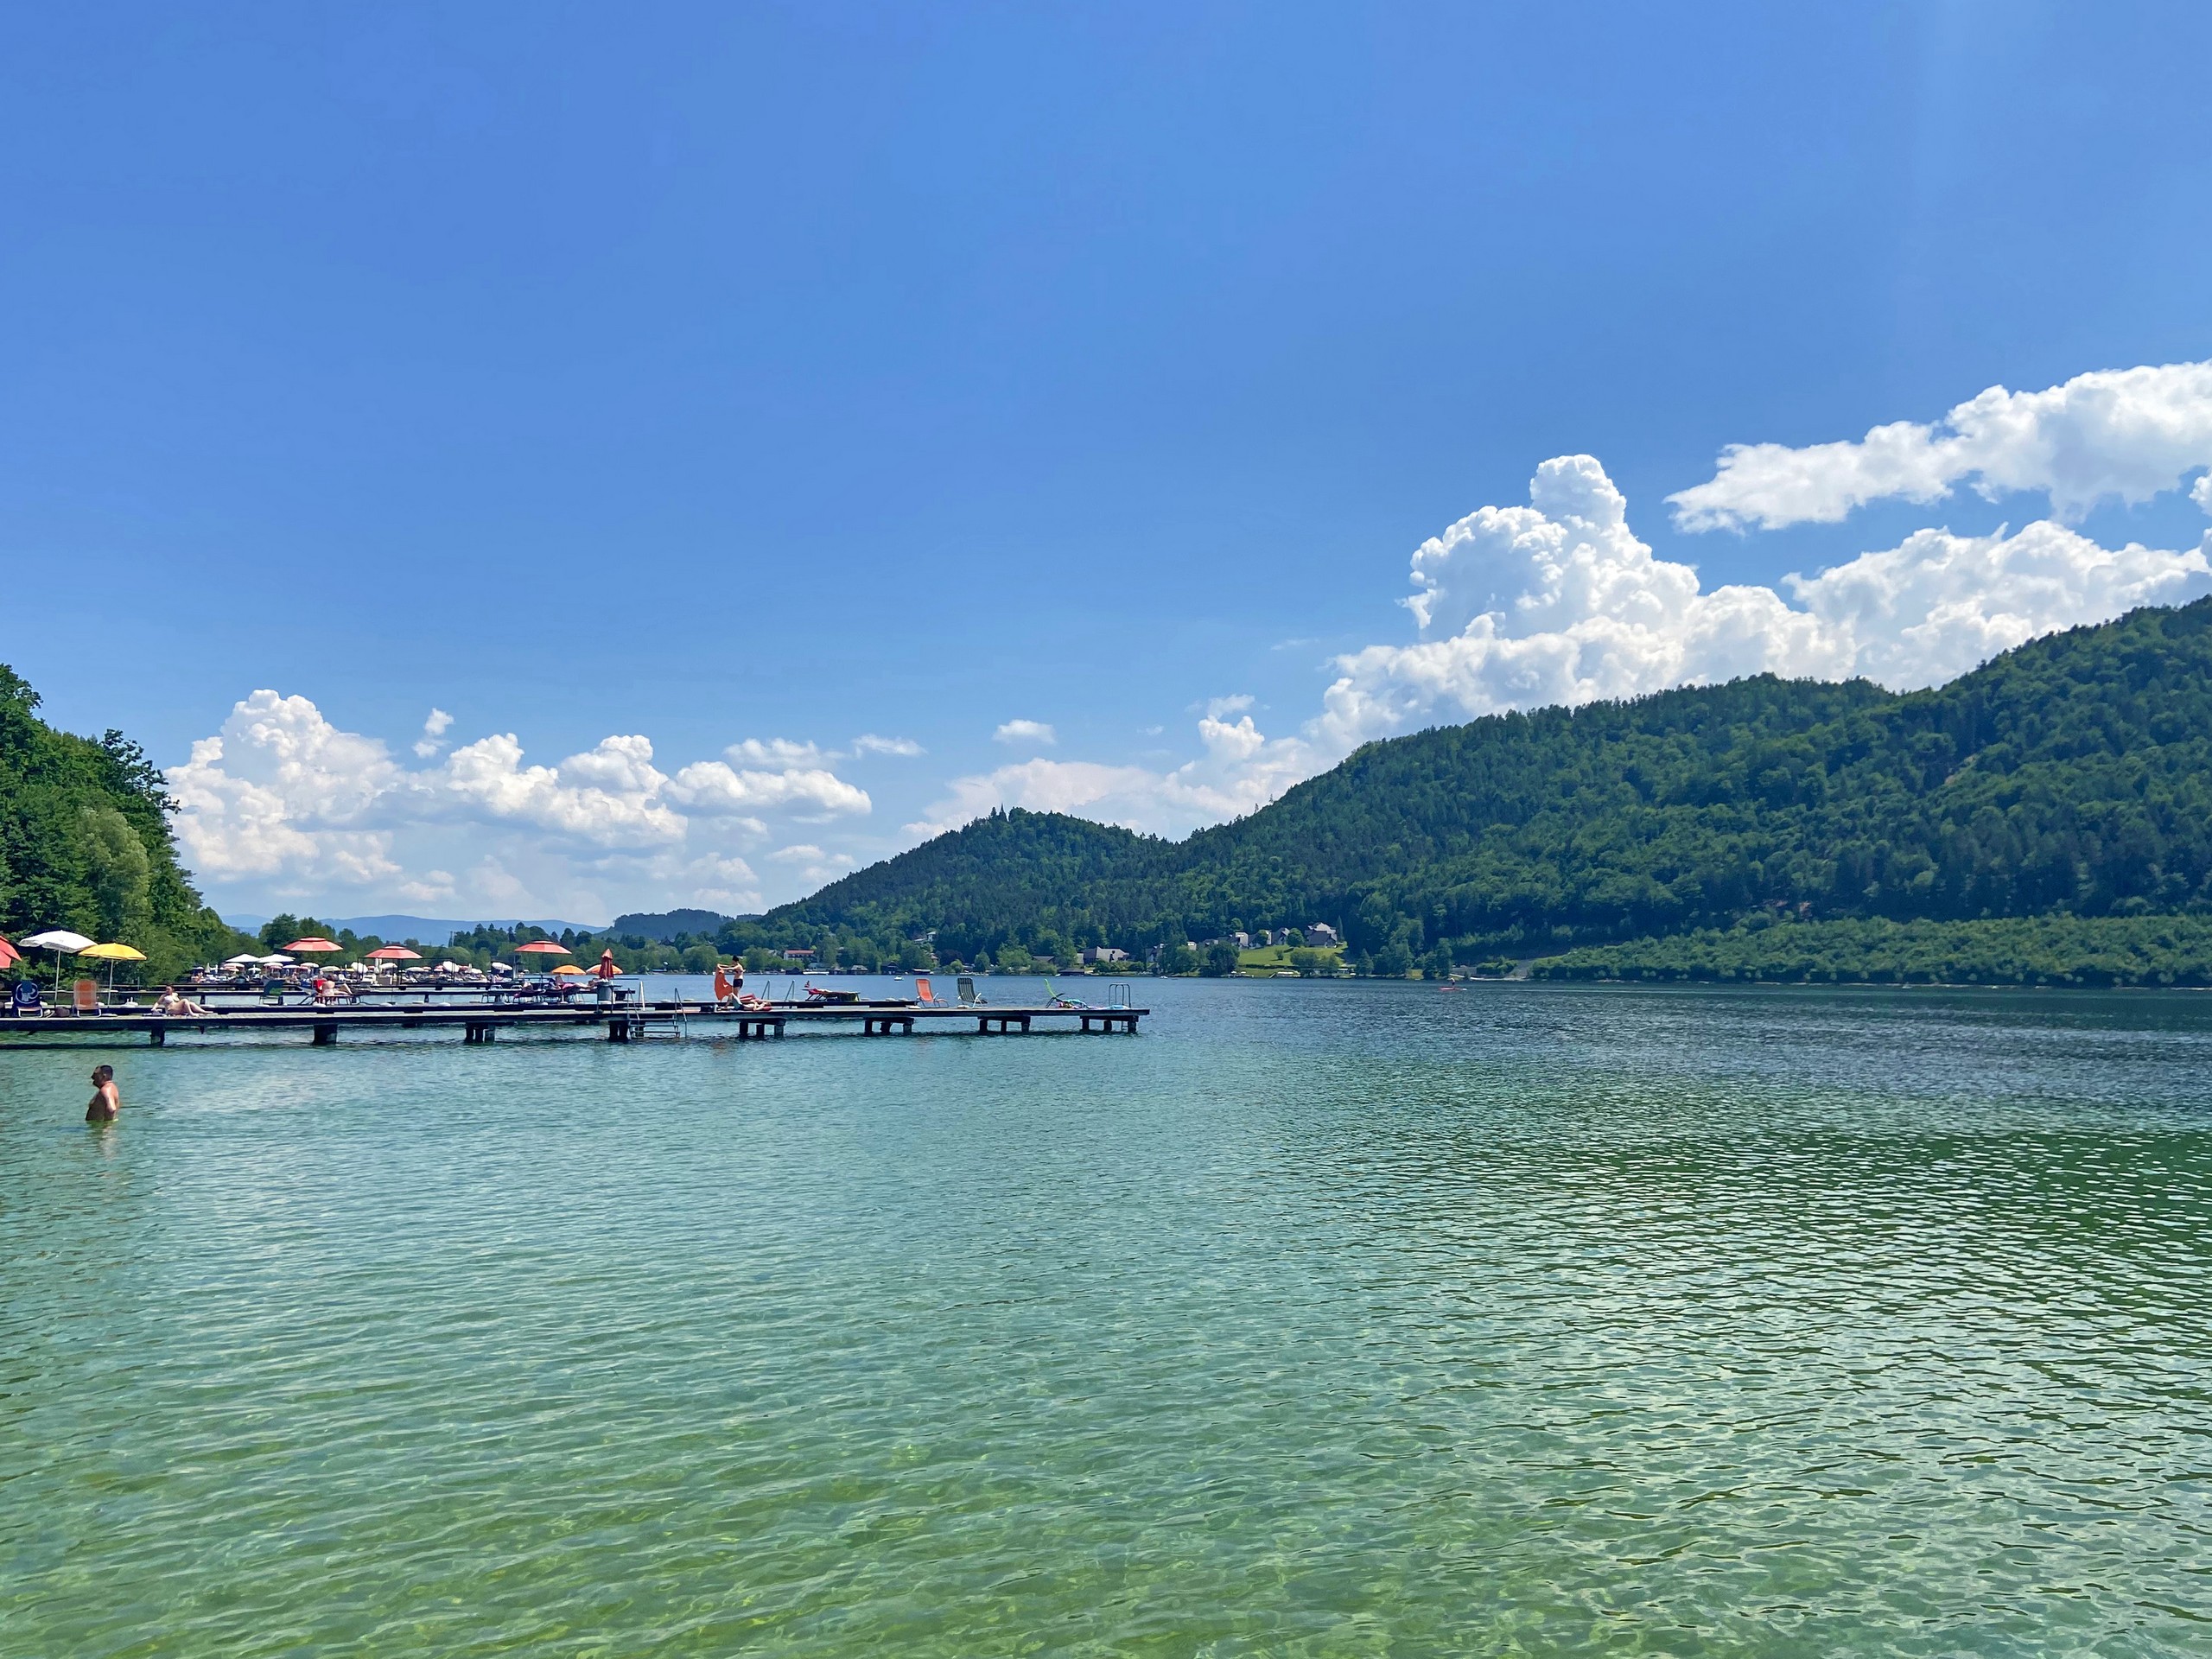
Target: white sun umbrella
(278, 960)
(247, 960)
(61, 941)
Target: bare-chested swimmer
(106, 1103)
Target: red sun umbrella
(542, 948)
(395, 953)
(315, 946)
(8, 955)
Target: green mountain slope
(85, 843)
(2070, 777)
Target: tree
(1220, 960)
(121, 874)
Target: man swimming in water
(106, 1103)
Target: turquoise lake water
(1321, 1318)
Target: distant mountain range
(665, 926)
(430, 929)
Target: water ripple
(1323, 1319)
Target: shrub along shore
(2101, 950)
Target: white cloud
(434, 729)
(812, 866)
(1026, 731)
(280, 789)
(1558, 602)
(610, 796)
(2114, 433)
(1932, 608)
(869, 743)
(1240, 769)
(714, 789)
(778, 751)
(283, 803)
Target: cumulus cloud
(1558, 602)
(1933, 607)
(2114, 433)
(714, 788)
(610, 796)
(812, 865)
(284, 798)
(869, 743)
(433, 730)
(281, 788)
(1239, 768)
(774, 752)
(1034, 732)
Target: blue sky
(707, 375)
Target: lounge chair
(86, 995)
(966, 987)
(922, 991)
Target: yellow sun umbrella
(111, 954)
(569, 967)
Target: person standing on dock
(106, 1103)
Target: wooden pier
(622, 1022)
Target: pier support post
(158, 1035)
(618, 1031)
(325, 1035)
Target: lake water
(1321, 1318)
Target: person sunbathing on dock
(174, 1003)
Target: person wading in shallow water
(106, 1103)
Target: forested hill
(85, 841)
(2072, 775)
(978, 886)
